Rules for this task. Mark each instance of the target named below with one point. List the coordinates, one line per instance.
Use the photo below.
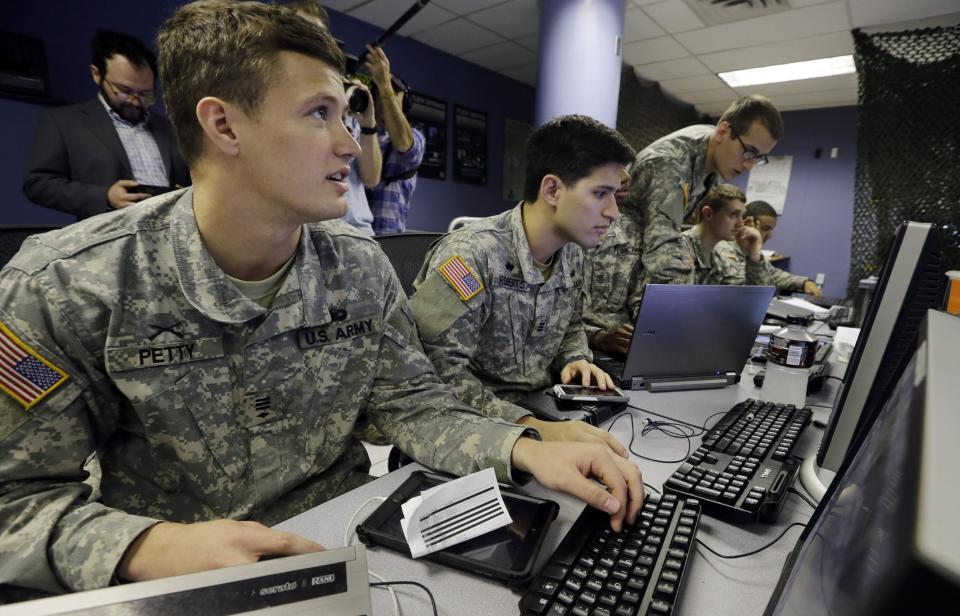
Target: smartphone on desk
(590, 393)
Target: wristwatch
(365, 130)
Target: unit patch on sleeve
(461, 278)
(24, 374)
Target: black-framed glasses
(125, 94)
(751, 153)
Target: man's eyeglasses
(125, 94)
(751, 153)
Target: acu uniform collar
(207, 289)
(561, 268)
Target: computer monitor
(884, 540)
(911, 281)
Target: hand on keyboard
(569, 467)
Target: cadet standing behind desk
(215, 346)
(668, 180)
(89, 158)
(498, 302)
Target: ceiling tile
(881, 12)
(384, 13)
(653, 50)
(637, 26)
(342, 5)
(526, 74)
(645, 2)
(511, 20)
(458, 36)
(820, 84)
(819, 19)
(690, 84)
(782, 52)
(719, 96)
(831, 98)
(712, 109)
(462, 7)
(531, 42)
(500, 56)
(674, 16)
(671, 69)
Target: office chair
(12, 236)
(406, 252)
(460, 221)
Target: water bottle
(790, 354)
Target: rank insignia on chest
(463, 280)
(24, 374)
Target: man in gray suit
(110, 152)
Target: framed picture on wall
(469, 145)
(429, 116)
(515, 135)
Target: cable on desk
(348, 538)
(348, 532)
(650, 487)
(832, 376)
(674, 420)
(803, 496)
(751, 553)
(650, 426)
(433, 601)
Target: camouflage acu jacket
(492, 325)
(200, 403)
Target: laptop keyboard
(742, 470)
(596, 572)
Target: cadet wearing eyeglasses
(99, 155)
(668, 180)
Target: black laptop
(690, 337)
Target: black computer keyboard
(597, 572)
(743, 468)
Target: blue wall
(66, 29)
(814, 230)
(818, 214)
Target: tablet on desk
(507, 554)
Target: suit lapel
(100, 124)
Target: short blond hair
(230, 50)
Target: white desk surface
(712, 586)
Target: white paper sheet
(802, 303)
(454, 512)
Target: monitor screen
(912, 280)
(882, 538)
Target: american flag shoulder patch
(24, 374)
(461, 278)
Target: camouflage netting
(908, 143)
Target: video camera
(357, 99)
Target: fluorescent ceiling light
(824, 67)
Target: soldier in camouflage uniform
(761, 216)
(720, 222)
(668, 180)
(217, 405)
(498, 302)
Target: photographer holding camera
(362, 124)
(401, 147)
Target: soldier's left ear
(550, 187)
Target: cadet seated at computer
(761, 216)
(217, 405)
(498, 303)
(720, 222)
